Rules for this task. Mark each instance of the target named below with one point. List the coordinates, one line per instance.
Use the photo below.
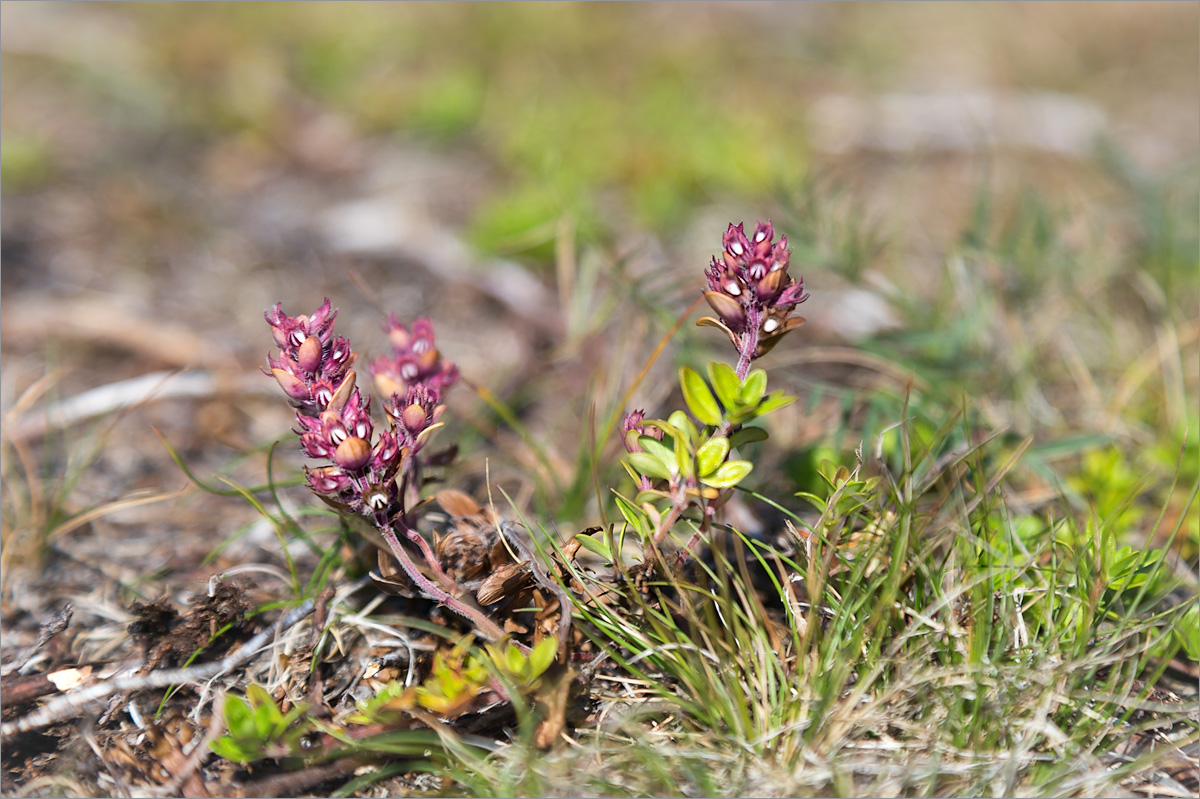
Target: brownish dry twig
(74, 703)
(49, 628)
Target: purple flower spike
(752, 293)
(414, 360)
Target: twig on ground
(49, 628)
(293, 783)
(74, 703)
(543, 578)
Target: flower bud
(309, 354)
(770, 286)
(341, 394)
(427, 360)
(377, 499)
(414, 418)
(293, 386)
(352, 454)
(727, 308)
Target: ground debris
(169, 639)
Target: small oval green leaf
(647, 464)
(711, 455)
(729, 474)
(747, 435)
(679, 421)
(725, 383)
(754, 388)
(699, 397)
(658, 449)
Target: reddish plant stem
(430, 558)
(749, 344)
(488, 628)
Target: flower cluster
(413, 378)
(313, 365)
(414, 360)
(752, 293)
(333, 418)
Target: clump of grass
(915, 636)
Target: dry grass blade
(134, 500)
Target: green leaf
(595, 545)
(1188, 631)
(651, 496)
(683, 457)
(657, 449)
(632, 515)
(726, 384)
(680, 422)
(257, 696)
(238, 718)
(265, 717)
(541, 656)
(774, 401)
(711, 455)
(747, 435)
(729, 475)
(515, 661)
(699, 397)
(229, 749)
(649, 465)
(754, 388)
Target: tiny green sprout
(257, 729)
(521, 669)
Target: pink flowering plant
(363, 472)
(689, 459)
(372, 468)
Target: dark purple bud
(729, 309)
(793, 295)
(310, 354)
(632, 427)
(320, 324)
(736, 243)
(386, 455)
(769, 286)
(293, 386)
(352, 454)
(763, 233)
(414, 418)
